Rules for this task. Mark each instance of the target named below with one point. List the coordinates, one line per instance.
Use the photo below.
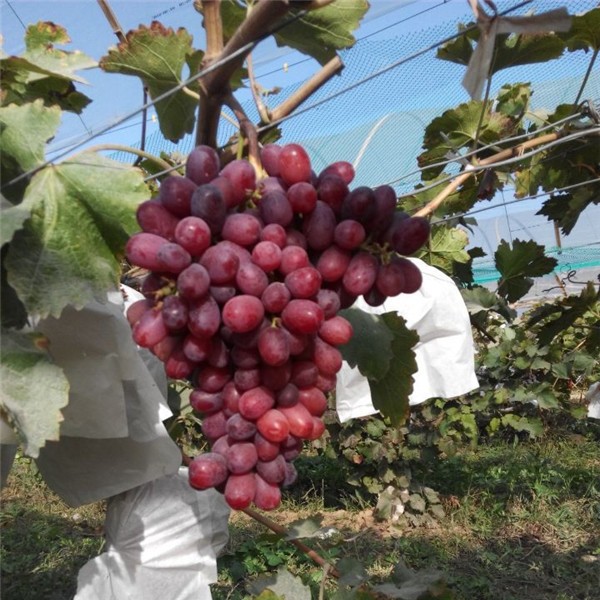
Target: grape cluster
(246, 277)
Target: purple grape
(202, 164)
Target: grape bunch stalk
(246, 276)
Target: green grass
(44, 543)
(522, 523)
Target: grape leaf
(68, 252)
(43, 72)
(446, 246)
(232, 16)
(457, 128)
(479, 299)
(562, 314)
(370, 346)
(513, 100)
(352, 572)
(24, 131)
(27, 376)
(584, 33)
(321, 32)
(390, 393)
(12, 311)
(463, 272)
(283, 584)
(305, 528)
(565, 209)
(157, 55)
(510, 49)
(518, 264)
(415, 585)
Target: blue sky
(115, 96)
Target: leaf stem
(275, 527)
(131, 150)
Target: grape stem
(163, 164)
(214, 88)
(263, 111)
(282, 531)
(248, 129)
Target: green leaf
(69, 251)
(12, 311)
(445, 247)
(370, 346)
(584, 33)
(352, 572)
(510, 49)
(532, 425)
(305, 528)
(321, 32)
(463, 272)
(458, 128)
(24, 131)
(27, 376)
(157, 55)
(13, 218)
(419, 585)
(513, 50)
(563, 313)
(283, 584)
(390, 393)
(518, 264)
(565, 209)
(232, 16)
(513, 100)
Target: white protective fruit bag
(444, 353)
(162, 536)
(162, 540)
(112, 437)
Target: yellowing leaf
(157, 55)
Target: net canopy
(375, 112)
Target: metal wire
(508, 161)
(519, 200)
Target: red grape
(302, 316)
(153, 217)
(302, 197)
(202, 164)
(267, 495)
(256, 402)
(269, 157)
(176, 195)
(243, 313)
(193, 234)
(294, 164)
(207, 470)
(240, 490)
